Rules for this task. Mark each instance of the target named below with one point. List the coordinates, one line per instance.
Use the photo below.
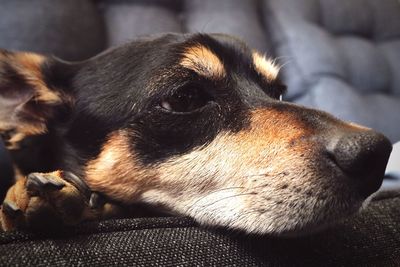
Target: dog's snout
(363, 157)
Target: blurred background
(341, 56)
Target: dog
(192, 124)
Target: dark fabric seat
(372, 238)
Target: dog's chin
(289, 223)
(295, 210)
(318, 226)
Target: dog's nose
(363, 157)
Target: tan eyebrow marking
(203, 61)
(265, 66)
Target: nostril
(362, 155)
(356, 153)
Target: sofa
(339, 56)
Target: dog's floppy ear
(27, 101)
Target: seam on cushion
(372, 23)
(317, 80)
(390, 91)
(330, 75)
(261, 21)
(319, 13)
(320, 21)
(355, 91)
(264, 12)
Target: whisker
(224, 198)
(254, 175)
(217, 191)
(283, 57)
(251, 211)
(281, 66)
(279, 174)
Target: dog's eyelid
(185, 99)
(166, 105)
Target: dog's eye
(186, 100)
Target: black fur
(122, 89)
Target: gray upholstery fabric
(126, 20)
(236, 17)
(342, 57)
(228, 16)
(72, 29)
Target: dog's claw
(11, 209)
(78, 182)
(41, 201)
(37, 182)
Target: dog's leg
(43, 200)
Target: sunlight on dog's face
(210, 139)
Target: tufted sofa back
(78, 29)
(341, 56)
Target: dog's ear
(28, 98)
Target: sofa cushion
(340, 57)
(236, 17)
(72, 30)
(126, 20)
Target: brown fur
(203, 61)
(265, 67)
(117, 172)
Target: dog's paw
(47, 200)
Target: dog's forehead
(215, 55)
(172, 60)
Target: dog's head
(194, 123)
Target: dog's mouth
(276, 213)
(296, 195)
(278, 210)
